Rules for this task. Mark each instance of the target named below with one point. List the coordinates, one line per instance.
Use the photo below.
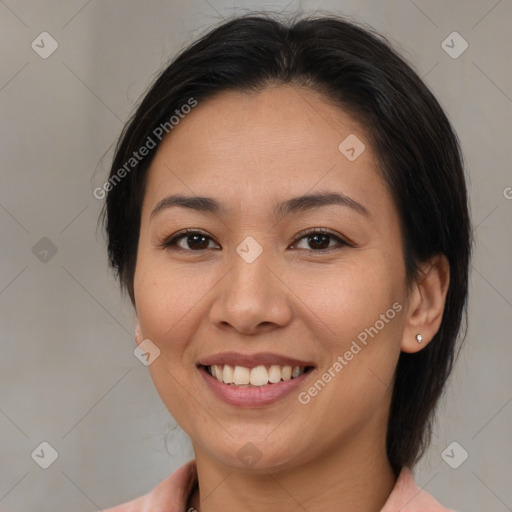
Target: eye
(318, 240)
(196, 241)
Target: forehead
(276, 119)
(282, 140)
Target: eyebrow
(295, 204)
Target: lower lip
(254, 396)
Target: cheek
(363, 307)
(165, 302)
(365, 322)
(166, 299)
(350, 297)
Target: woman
(287, 210)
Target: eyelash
(169, 242)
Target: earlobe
(138, 334)
(426, 304)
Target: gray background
(68, 375)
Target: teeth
(257, 376)
(274, 373)
(296, 371)
(227, 374)
(287, 373)
(241, 375)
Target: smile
(258, 376)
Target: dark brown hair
(418, 152)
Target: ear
(138, 333)
(426, 304)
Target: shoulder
(408, 497)
(170, 494)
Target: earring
(419, 338)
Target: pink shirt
(171, 495)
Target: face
(318, 284)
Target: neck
(359, 477)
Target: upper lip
(252, 360)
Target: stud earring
(419, 338)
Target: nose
(252, 298)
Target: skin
(249, 151)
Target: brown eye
(188, 240)
(196, 241)
(318, 241)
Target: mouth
(257, 376)
(256, 380)
(259, 369)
